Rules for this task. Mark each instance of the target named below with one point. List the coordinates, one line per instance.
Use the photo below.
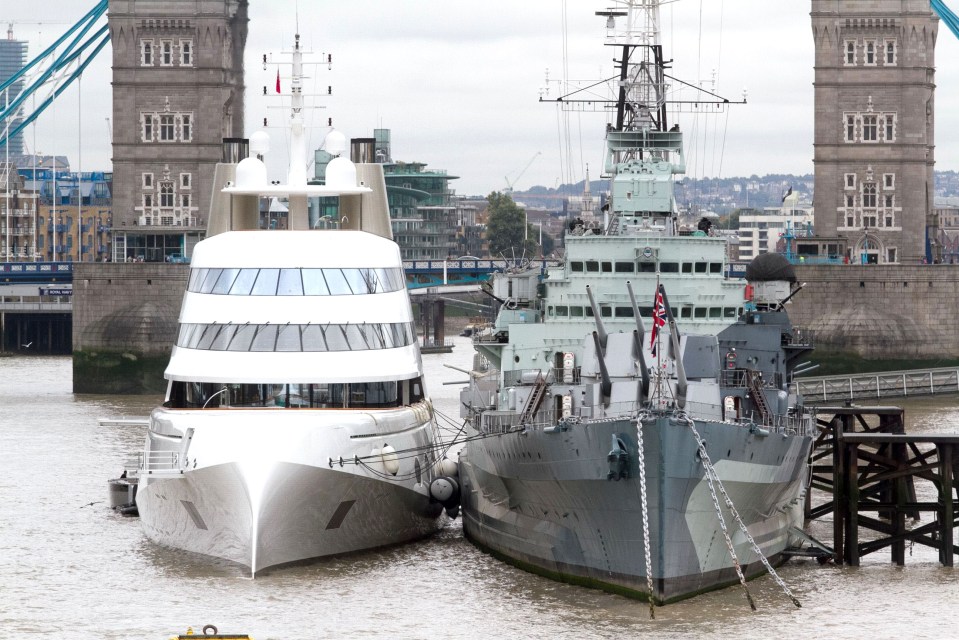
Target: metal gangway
(872, 386)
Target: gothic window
(890, 52)
(185, 180)
(146, 126)
(166, 53)
(888, 181)
(850, 220)
(186, 53)
(186, 127)
(185, 200)
(166, 194)
(166, 128)
(147, 180)
(850, 201)
(850, 180)
(891, 254)
(147, 201)
(890, 126)
(870, 52)
(870, 128)
(146, 53)
(869, 196)
(850, 128)
(850, 52)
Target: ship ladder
(535, 400)
(754, 380)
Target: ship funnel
(363, 150)
(234, 150)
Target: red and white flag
(277, 80)
(659, 318)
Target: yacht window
(337, 282)
(625, 267)
(687, 267)
(592, 266)
(243, 284)
(700, 312)
(624, 312)
(562, 311)
(290, 283)
(314, 284)
(669, 267)
(288, 338)
(576, 267)
(265, 284)
(242, 338)
(607, 267)
(211, 275)
(313, 338)
(264, 339)
(336, 338)
(715, 267)
(701, 267)
(361, 280)
(196, 276)
(225, 281)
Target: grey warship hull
(541, 499)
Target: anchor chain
(642, 493)
(710, 474)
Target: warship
(657, 463)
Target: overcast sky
(458, 83)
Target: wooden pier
(874, 476)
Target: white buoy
(447, 467)
(391, 462)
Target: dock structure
(875, 476)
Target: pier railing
(887, 384)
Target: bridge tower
(874, 104)
(177, 92)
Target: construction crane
(509, 183)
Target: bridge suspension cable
(946, 15)
(58, 66)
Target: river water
(71, 568)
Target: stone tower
(874, 152)
(177, 92)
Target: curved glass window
(296, 282)
(349, 395)
(295, 337)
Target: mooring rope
(712, 476)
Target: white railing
(161, 462)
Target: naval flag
(277, 80)
(659, 317)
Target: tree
(504, 229)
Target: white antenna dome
(335, 143)
(251, 174)
(260, 143)
(340, 174)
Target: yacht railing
(161, 461)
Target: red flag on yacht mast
(277, 80)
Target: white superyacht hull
(280, 501)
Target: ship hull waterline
(280, 513)
(542, 501)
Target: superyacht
(630, 423)
(296, 422)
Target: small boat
(656, 463)
(210, 631)
(296, 423)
